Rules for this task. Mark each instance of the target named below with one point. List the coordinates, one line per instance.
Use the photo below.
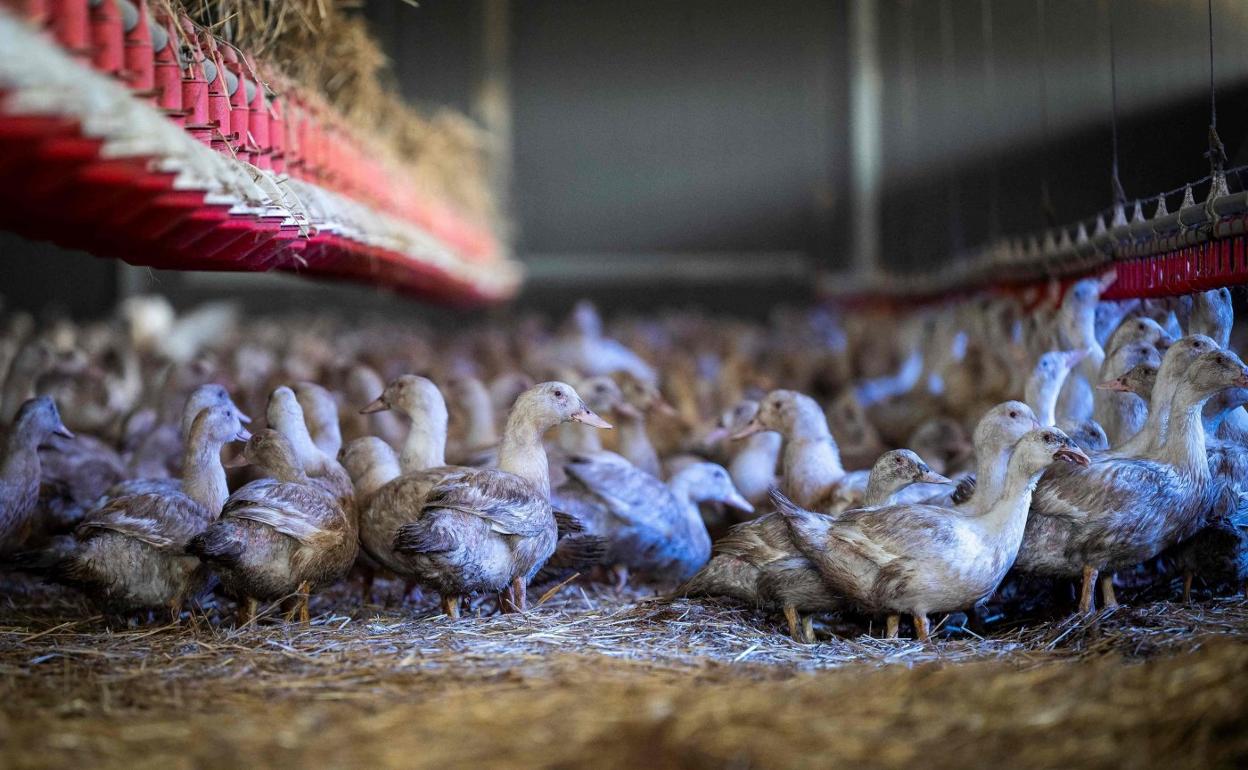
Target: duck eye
(1013, 415)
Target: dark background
(697, 152)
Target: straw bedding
(594, 676)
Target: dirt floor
(596, 677)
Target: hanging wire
(949, 89)
(909, 95)
(1046, 201)
(1217, 151)
(1107, 10)
(990, 99)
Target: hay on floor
(618, 680)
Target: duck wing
(164, 521)
(511, 505)
(300, 511)
(761, 541)
(628, 493)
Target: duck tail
(567, 523)
(723, 575)
(46, 562)
(784, 506)
(215, 546)
(424, 536)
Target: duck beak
(735, 500)
(715, 436)
(1241, 380)
(378, 405)
(1164, 342)
(1072, 455)
(586, 417)
(754, 426)
(1116, 385)
(62, 431)
(931, 477)
(242, 435)
(244, 419)
(1107, 280)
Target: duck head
(1214, 371)
(1143, 330)
(272, 453)
(413, 396)
(780, 411)
(640, 398)
(943, 440)
(1038, 449)
(218, 425)
(1004, 424)
(204, 396)
(38, 420)
(710, 483)
(1213, 314)
(601, 394)
(902, 467)
(550, 403)
(1139, 380)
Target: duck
(421, 401)
(811, 470)
(918, 559)
(753, 462)
(1076, 327)
(36, 422)
(279, 536)
(362, 384)
(320, 412)
(477, 443)
(1046, 381)
(1122, 414)
(894, 471)
(1121, 511)
(994, 438)
(639, 400)
(584, 348)
(285, 415)
(130, 554)
(652, 528)
(758, 564)
(467, 530)
(159, 453)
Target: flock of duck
(913, 461)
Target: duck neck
(575, 438)
(425, 446)
(880, 489)
(812, 461)
(203, 477)
(991, 468)
(325, 430)
(522, 453)
(753, 469)
(1184, 444)
(480, 415)
(1041, 395)
(1006, 517)
(21, 455)
(635, 444)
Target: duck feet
(620, 573)
(450, 606)
(892, 626)
(790, 614)
(921, 628)
(1108, 598)
(1086, 598)
(517, 596)
(1187, 586)
(808, 629)
(247, 609)
(305, 615)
